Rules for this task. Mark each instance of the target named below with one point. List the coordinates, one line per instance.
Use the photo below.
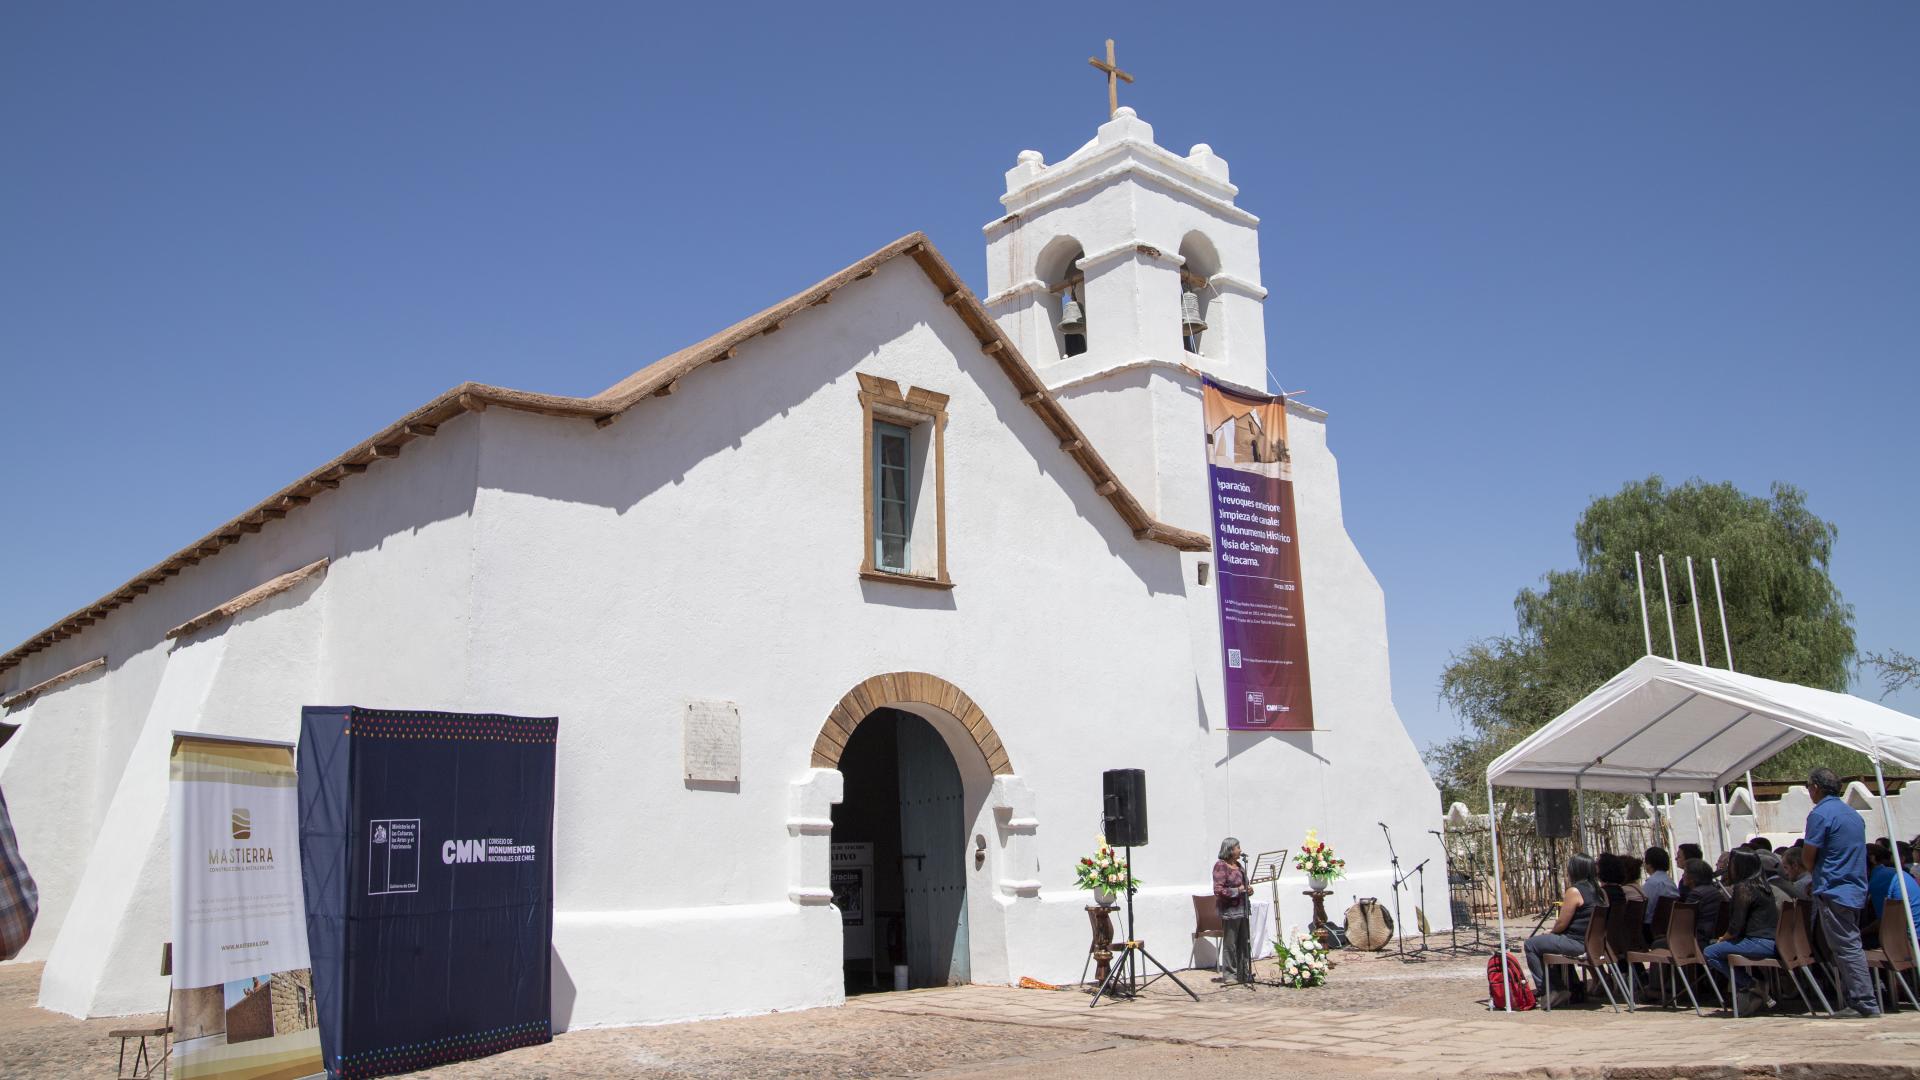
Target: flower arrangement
(1317, 859)
(1303, 959)
(1105, 870)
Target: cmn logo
(242, 823)
(463, 851)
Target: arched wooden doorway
(907, 688)
(900, 832)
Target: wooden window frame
(882, 430)
(881, 401)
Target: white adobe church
(945, 561)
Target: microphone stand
(1453, 945)
(1399, 880)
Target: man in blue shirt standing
(1836, 849)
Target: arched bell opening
(1199, 263)
(1066, 299)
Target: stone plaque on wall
(712, 741)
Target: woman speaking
(1230, 892)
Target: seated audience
(1630, 877)
(1750, 929)
(1883, 884)
(1791, 879)
(1612, 877)
(1659, 882)
(1685, 854)
(1803, 876)
(1697, 887)
(1569, 934)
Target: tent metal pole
(1720, 599)
(1699, 832)
(1640, 583)
(1899, 871)
(1499, 890)
(1693, 601)
(1720, 813)
(1580, 811)
(1666, 598)
(1667, 802)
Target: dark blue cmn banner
(426, 859)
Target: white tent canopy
(1665, 726)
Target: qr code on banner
(1233, 658)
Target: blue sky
(1522, 252)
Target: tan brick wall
(293, 1006)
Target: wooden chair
(1598, 959)
(1207, 924)
(144, 1062)
(1894, 955)
(1682, 951)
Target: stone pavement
(1447, 1031)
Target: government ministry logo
(379, 834)
(242, 823)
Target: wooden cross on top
(1114, 78)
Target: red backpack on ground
(1515, 985)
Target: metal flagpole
(1899, 871)
(1666, 598)
(1640, 583)
(1693, 601)
(1720, 599)
(1726, 642)
(1500, 893)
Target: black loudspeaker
(1124, 805)
(1552, 813)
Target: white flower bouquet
(1303, 960)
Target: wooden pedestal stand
(1101, 916)
(1320, 924)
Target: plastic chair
(1681, 952)
(1662, 912)
(1207, 924)
(1795, 945)
(1598, 958)
(1763, 963)
(1895, 953)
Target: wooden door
(933, 843)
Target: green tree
(1897, 670)
(1580, 627)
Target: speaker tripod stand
(1126, 961)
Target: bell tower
(1120, 272)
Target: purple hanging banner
(1263, 628)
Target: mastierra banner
(427, 839)
(243, 1003)
(1263, 628)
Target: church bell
(1190, 320)
(1071, 321)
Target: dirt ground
(1377, 1014)
(836, 1043)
